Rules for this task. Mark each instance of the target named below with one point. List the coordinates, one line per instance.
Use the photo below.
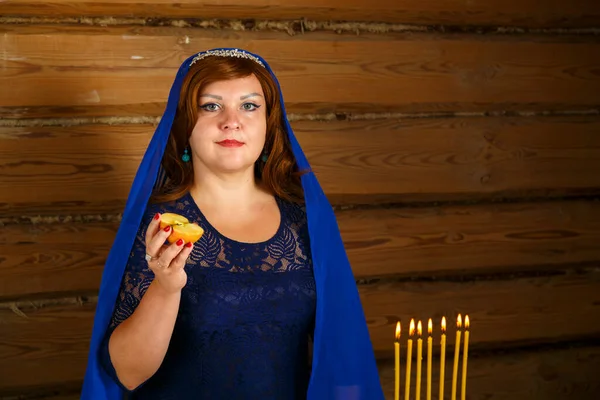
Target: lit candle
(429, 348)
(397, 358)
(419, 358)
(411, 332)
(442, 358)
(463, 392)
(456, 356)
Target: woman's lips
(230, 143)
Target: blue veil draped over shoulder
(343, 365)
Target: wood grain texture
(47, 348)
(527, 13)
(502, 313)
(50, 259)
(16, 116)
(518, 311)
(89, 168)
(73, 396)
(548, 374)
(101, 166)
(65, 67)
(68, 257)
(471, 240)
(61, 391)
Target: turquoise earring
(185, 157)
(264, 157)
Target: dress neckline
(193, 203)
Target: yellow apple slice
(187, 232)
(181, 228)
(171, 219)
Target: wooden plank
(544, 374)
(527, 13)
(57, 258)
(453, 158)
(103, 166)
(73, 396)
(17, 116)
(526, 310)
(48, 347)
(430, 242)
(61, 67)
(513, 312)
(61, 391)
(440, 241)
(91, 167)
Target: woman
(230, 316)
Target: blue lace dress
(245, 318)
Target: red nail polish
(179, 242)
(168, 228)
(156, 216)
(188, 244)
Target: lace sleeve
(136, 279)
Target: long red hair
(279, 174)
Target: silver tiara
(227, 53)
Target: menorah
(409, 344)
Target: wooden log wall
(459, 142)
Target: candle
(442, 358)
(411, 332)
(463, 391)
(419, 358)
(429, 355)
(456, 356)
(397, 358)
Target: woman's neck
(226, 190)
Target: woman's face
(230, 132)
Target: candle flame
(467, 322)
(398, 331)
(443, 325)
(459, 321)
(412, 327)
(430, 326)
(419, 329)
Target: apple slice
(181, 228)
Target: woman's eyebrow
(214, 96)
(250, 95)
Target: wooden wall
(459, 142)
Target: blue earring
(264, 158)
(185, 157)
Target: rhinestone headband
(227, 53)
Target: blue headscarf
(343, 365)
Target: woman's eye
(210, 107)
(250, 106)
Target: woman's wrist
(162, 292)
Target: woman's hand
(166, 261)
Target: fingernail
(156, 216)
(179, 242)
(168, 228)
(188, 244)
